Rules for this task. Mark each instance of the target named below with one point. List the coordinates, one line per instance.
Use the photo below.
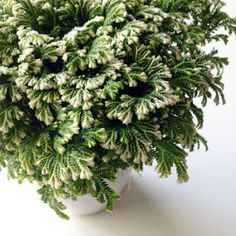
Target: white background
(205, 206)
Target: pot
(87, 205)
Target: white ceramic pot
(87, 205)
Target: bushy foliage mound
(88, 87)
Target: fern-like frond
(168, 155)
(104, 194)
(181, 128)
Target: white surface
(205, 206)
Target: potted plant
(92, 87)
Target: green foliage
(133, 141)
(48, 197)
(89, 87)
(181, 129)
(104, 194)
(168, 154)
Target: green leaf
(48, 196)
(77, 97)
(115, 11)
(198, 112)
(104, 194)
(45, 114)
(9, 116)
(93, 135)
(198, 141)
(131, 142)
(168, 155)
(181, 129)
(111, 89)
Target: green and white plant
(88, 87)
